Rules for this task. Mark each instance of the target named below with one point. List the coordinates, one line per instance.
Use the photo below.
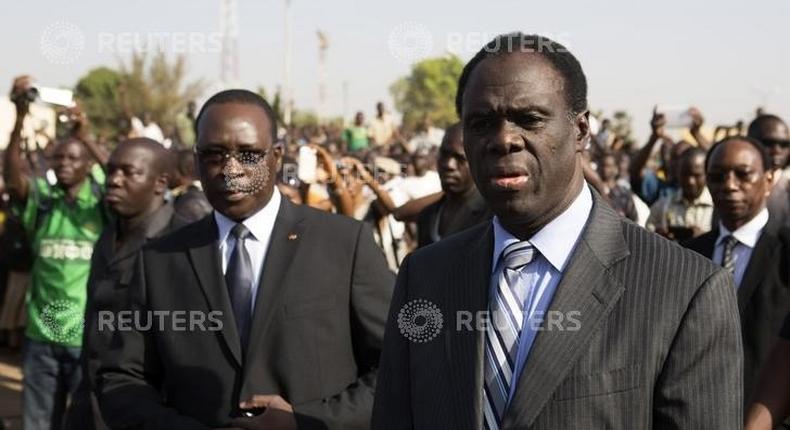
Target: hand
(20, 86)
(326, 160)
(363, 172)
(658, 123)
(277, 416)
(696, 119)
(79, 120)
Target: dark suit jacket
(657, 343)
(763, 297)
(779, 204)
(473, 212)
(316, 333)
(109, 267)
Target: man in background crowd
(461, 206)
(620, 197)
(137, 178)
(773, 133)
(688, 211)
(62, 222)
(382, 127)
(756, 254)
(356, 136)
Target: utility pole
(288, 89)
(323, 46)
(229, 26)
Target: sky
(726, 57)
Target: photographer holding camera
(62, 224)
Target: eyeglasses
(776, 142)
(247, 157)
(741, 176)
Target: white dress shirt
(260, 225)
(747, 236)
(555, 243)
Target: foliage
(429, 92)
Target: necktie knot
(518, 255)
(240, 231)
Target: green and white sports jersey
(62, 242)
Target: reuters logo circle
(63, 321)
(420, 321)
(410, 41)
(62, 42)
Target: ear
(277, 154)
(769, 179)
(160, 185)
(581, 125)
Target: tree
(274, 102)
(158, 88)
(97, 92)
(429, 91)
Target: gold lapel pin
(292, 236)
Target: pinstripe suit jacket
(657, 344)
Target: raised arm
(16, 182)
(639, 161)
(696, 125)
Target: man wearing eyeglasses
(302, 298)
(755, 252)
(773, 133)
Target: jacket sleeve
(371, 292)
(701, 382)
(129, 372)
(392, 408)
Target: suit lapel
(205, 259)
(586, 287)
(758, 267)
(464, 349)
(286, 236)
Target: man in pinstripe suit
(558, 313)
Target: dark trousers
(50, 373)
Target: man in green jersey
(62, 222)
(356, 136)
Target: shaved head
(162, 158)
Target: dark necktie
(238, 277)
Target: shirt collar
(556, 240)
(704, 199)
(748, 233)
(260, 223)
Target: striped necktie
(505, 320)
(727, 261)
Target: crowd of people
(295, 236)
